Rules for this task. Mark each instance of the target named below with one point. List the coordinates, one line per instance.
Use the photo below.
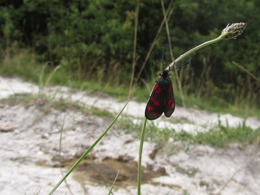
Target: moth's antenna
(163, 51)
(182, 65)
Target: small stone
(6, 127)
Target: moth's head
(165, 74)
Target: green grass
(222, 136)
(22, 64)
(219, 136)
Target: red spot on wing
(169, 108)
(169, 113)
(170, 90)
(156, 103)
(154, 114)
(150, 108)
(157, 89)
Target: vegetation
(218, 136)
(93, 43)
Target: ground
(35, 154)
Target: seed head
(233, 30)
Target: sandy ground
(31, 153)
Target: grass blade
(110, 192)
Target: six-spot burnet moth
(162, 98)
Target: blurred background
(93, 43)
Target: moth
(162, 97)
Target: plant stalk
(139, 174)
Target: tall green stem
(139, 176)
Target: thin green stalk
(88, 151)
(112, 187)
(50, 76)
(139, 174)
(41, 77)
(247, 71)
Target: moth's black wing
(169, 101)
(155, 105)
